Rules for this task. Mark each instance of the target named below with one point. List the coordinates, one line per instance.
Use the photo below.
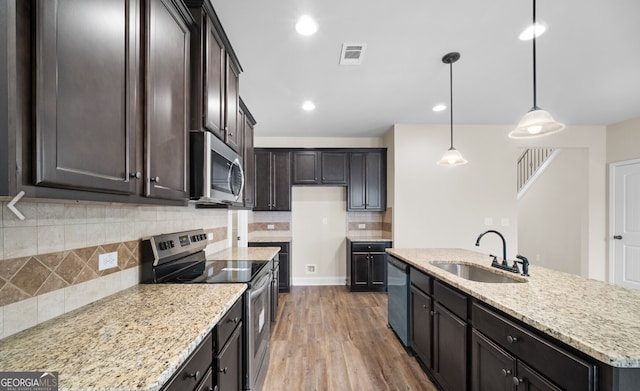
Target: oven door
(258, 331)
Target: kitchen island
(600, 321)
(133, 340)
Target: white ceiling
(588, 62)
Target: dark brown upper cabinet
(319, 167)
(216, 83)
(305, 168)
(166, 133)
(100, 105)
(86, 74)
(367, 181)
(273, 180)
(247, 122)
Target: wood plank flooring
(327, 338)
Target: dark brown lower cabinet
(449, 349)
(228, 363)
(492, 368)
(529, 380)
(284, 275)
(367, 265)
(421, 325)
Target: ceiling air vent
(352, 53)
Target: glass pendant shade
(452, 158)
(536, 123)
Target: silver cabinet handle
(506, 372)
(136, 175)
(155, 179)
(511, 339)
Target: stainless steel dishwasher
(398, 298)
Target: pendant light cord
(451, 98)
(535, 105)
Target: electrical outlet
(362, 226)
(271, 226)
(505, 222)
(107, 261)
(311, 269)
(488, 221)
(210, 236)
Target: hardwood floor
(327, 338)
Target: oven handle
(261, 286)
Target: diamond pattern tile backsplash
(49, 260)
(22, 278)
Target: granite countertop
(132, 340)
(269, 239)
(365, 238)
(245, 254)
(598, 319)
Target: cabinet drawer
(368, 246)
(196, 367)
(561, 367)
(456, 302)
(207, 383)
(228, 323)
(420, 280)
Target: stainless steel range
(179, 258)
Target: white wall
(552, 214)
(446, 206)
(623, 140)
(437, 206)
(319, 229)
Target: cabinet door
(421, 325)
(492, 368)
(281, 181)
(233, 136)
(360, 269)
(228, 363)
(167, 101)
(333, 168)
(378, 269)
(86, 75)
(356, 181)
(262, 169)
(530, 380)
(449, 349)
(305, 167)
(248, 164)
(375, 171)
(285, 267)
(213, 99)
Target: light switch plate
(107, 261)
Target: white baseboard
(309, 281)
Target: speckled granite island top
(133, 340)
(597, 318)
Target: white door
(625, 223)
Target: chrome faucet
(504, 245)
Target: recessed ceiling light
(527, 34)
(439, 107)
(308, 106)
(306, 25)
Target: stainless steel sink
(475, 273)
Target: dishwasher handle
(398, 264)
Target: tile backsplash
(49, 260)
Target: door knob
(618, 237)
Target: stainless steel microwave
(216, 170)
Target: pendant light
(452, 157)
(536, 122)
